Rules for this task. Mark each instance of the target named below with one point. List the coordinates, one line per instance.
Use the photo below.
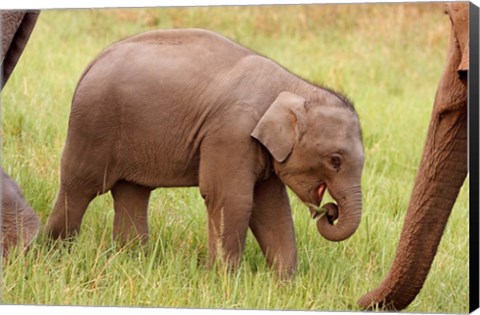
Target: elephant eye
(336, 162)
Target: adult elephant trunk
(442, 171)
(348, 215)
(441, 174)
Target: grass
(387, 57)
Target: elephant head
(316, 146)
(441, 173)
(20, 224)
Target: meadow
(387, 58)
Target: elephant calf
(20, 224)
(178, 108)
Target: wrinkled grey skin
(180, 108)
(19, 223)
(16, 28)
(441, 173)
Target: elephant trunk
(438, 183)
(441, 173)
(349, 212)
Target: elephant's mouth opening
(330, 210)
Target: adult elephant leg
(272, 226)
(16, 29)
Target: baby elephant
(20, 224)
(179, 108)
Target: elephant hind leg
(68, 211)
(77, 190)
(131, 212)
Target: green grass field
(387, 57)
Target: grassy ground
(387, 57)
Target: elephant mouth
(317, 197)
(329, 209)
(320, 192)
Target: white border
(60, 4)
(77, 310)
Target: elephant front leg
(272, 225)
(229, 208)
(226, 183)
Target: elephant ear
(277, 129)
